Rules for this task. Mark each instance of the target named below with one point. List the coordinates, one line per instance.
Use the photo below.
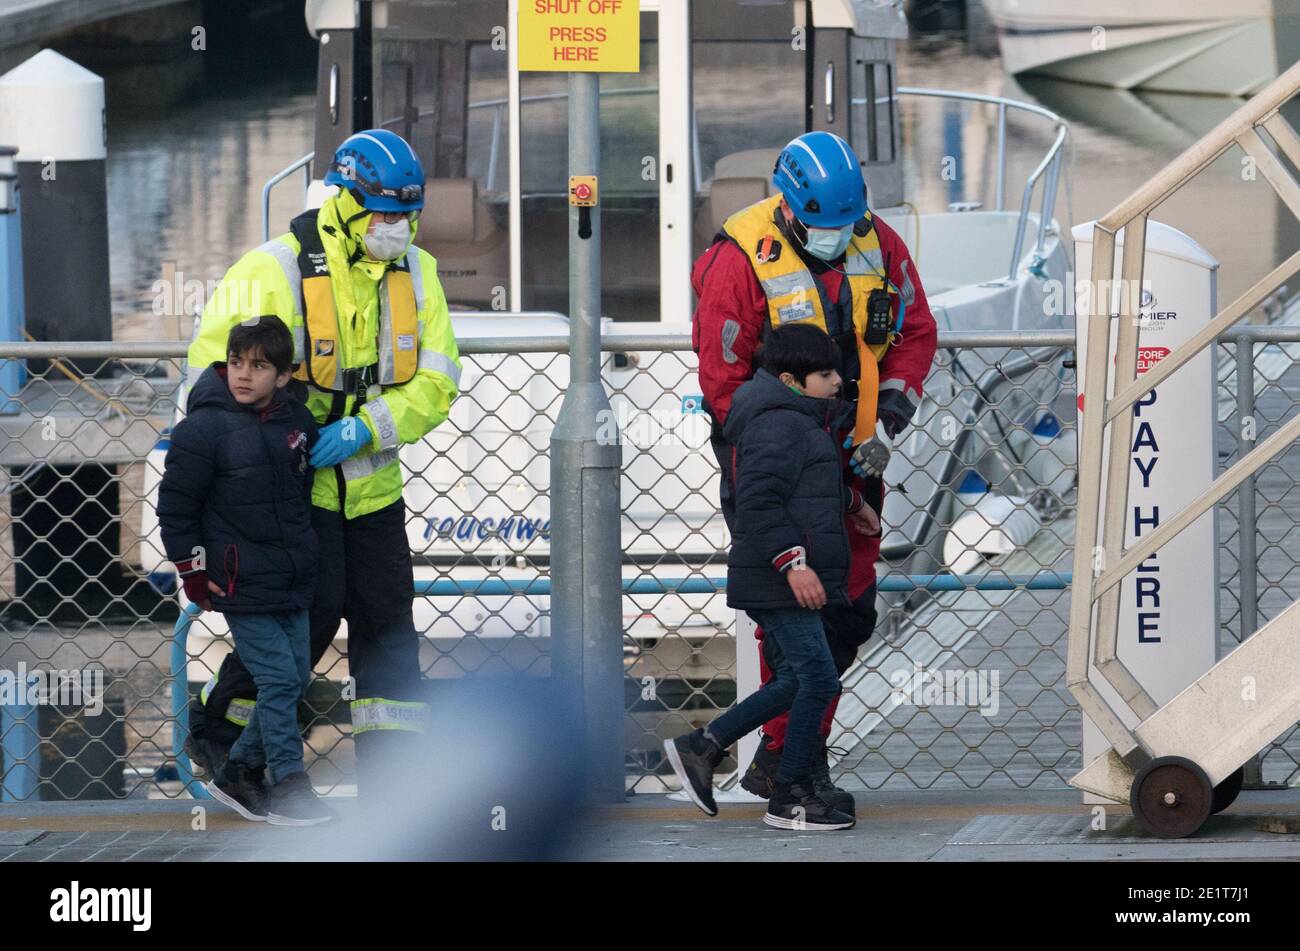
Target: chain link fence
(962, 685)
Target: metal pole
(1246, 530)
(586, 457)
(1247, 570)
(1002, 156)
(20, 740)
(12, 308)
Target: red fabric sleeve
(910, 360)
(728, 323)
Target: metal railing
(303, 163)
(1049, 165)
(995, 609)
(1101, 590)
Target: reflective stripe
(383, 417)
(240, 711)
(905, 392)
(358, 467)
(865, 262)
(378, 714)
(785, 284)
(417, 279)
(440, 363)
(289, 264)
(387, 371)
(299, 342)
(207, 689)
(794, 312)
(730, 332)
(909, 292)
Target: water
(185, 175)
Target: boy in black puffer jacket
(789, 558)
(234, 507)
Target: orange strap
(868, 393)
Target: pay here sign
(587, 36)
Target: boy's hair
(266, 334)
(799, 349)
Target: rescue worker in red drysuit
(815, 252)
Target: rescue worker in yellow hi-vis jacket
(374, 349)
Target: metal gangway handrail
(1101, 564)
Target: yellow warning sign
(580, 36)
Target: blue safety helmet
(819, 175)
(381, 170)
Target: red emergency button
(583, 191)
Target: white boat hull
(1191, 47)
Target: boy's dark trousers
(804, 681)
(365, 576)
(847, 628)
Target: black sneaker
(820, 776)
(206, 756)
(295, 803)
(796, 806)
(241, 789)
(761, 775)
(693, 757)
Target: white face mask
(386, 242)
(828, 243)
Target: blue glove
(340, 440)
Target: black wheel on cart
(1225, 794)
(1171, 797)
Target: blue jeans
(804, 681)
(275, 648)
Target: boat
(1191, 46)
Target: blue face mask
(828, 243)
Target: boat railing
(1047, 170)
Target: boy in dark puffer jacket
(234, 507)
(789, 558)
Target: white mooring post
(1168, 620)
(52, 110)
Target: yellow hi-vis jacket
(795, 296)
(391, 318)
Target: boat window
(420, 96)
(629, 130)
(629, 187)
(487, 139)
(872, 121)
(748, 94)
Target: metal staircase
(1182, 762)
